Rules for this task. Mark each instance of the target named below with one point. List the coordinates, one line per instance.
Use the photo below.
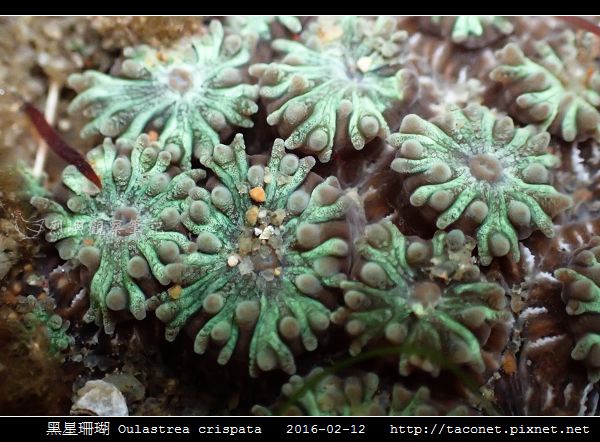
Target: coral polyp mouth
(260, 247)
(126, 221)
(425, 294)
(180, 80)
(266, 261)
(485, 167)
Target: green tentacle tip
(271, 241)
(126, 233)
(190, 94)
(480, 170)
(335, 87)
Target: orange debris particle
(509, 363)
(258, 194)
(588, 75)
(175, 292)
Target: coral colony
(214, 232)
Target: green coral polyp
(259, 26)
(39, 313)
(126, 232)
(471, 31)
(329, 395)
(427, 298)
(337, 87)
(270, 245)
(560, 92)
(191, 93)
(320, 394)
(475, 167)
(581, 294)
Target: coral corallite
(581, 294)
(192, 93)
(560, 92)
(271, 242)
(471, 31)
(321, 394)
(479, 169)
(39, 314)
(259, 26)
(428, 298)
(336, 87)
(126, 232)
